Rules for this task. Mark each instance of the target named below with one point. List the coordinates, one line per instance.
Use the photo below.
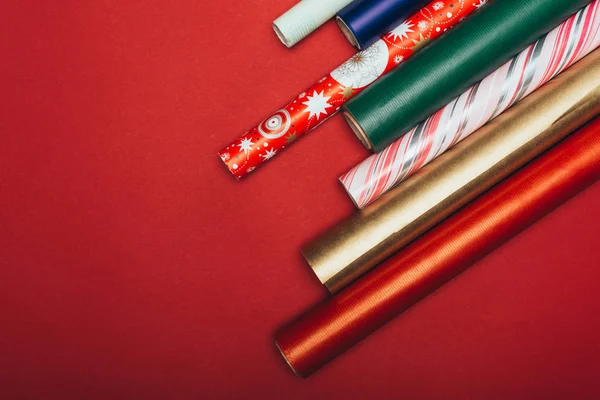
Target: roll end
(231, 166)
(358, 130)
(287, 361)
(320, 274)
(347, 32)
(350, 194)
(281, 36)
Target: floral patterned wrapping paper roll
(519, 77)
(324, 99)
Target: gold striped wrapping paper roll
(356, 245)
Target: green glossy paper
(449, 66)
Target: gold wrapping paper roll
(358, 244)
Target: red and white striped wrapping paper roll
(536, 65)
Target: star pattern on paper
(419, 43)
(246, 145)
(291, 138)
(398, 59)
(317, 104)
(270, 154)
(346, 92)
(401, 31)
(481, 3)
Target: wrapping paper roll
(345, 319)
(534, 66)
(358, 244)
(319, 103)
(365, 21)
(448, 67)
(304, 18)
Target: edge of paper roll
(227, 166)
(311, 263)
(287, 361)
(347, 32)
(281, 36)
(358, 130)
(351, 195)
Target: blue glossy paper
(366, 21)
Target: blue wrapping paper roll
(365, 21)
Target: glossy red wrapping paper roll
(340, 322)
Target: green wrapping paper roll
(449, 66)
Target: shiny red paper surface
(341, 322)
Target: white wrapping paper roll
(304, 18)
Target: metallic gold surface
(358, 244)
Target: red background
(132, 265)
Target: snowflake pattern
(481, 3)
(363, 68)
(398, 59)
(438, 6)
(423, 26)
(225, 157)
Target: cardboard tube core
(347, 32)
(287, 361)
(281, 36)
(358, 130)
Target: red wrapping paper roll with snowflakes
(533, 67)
(325, 98)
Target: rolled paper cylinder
(365, 21)
(446, 68)
(323, 100)
(358, 244)
(304, 18)
(534, 66)
(345, 319)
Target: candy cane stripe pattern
(533, 67)
(325, 98)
